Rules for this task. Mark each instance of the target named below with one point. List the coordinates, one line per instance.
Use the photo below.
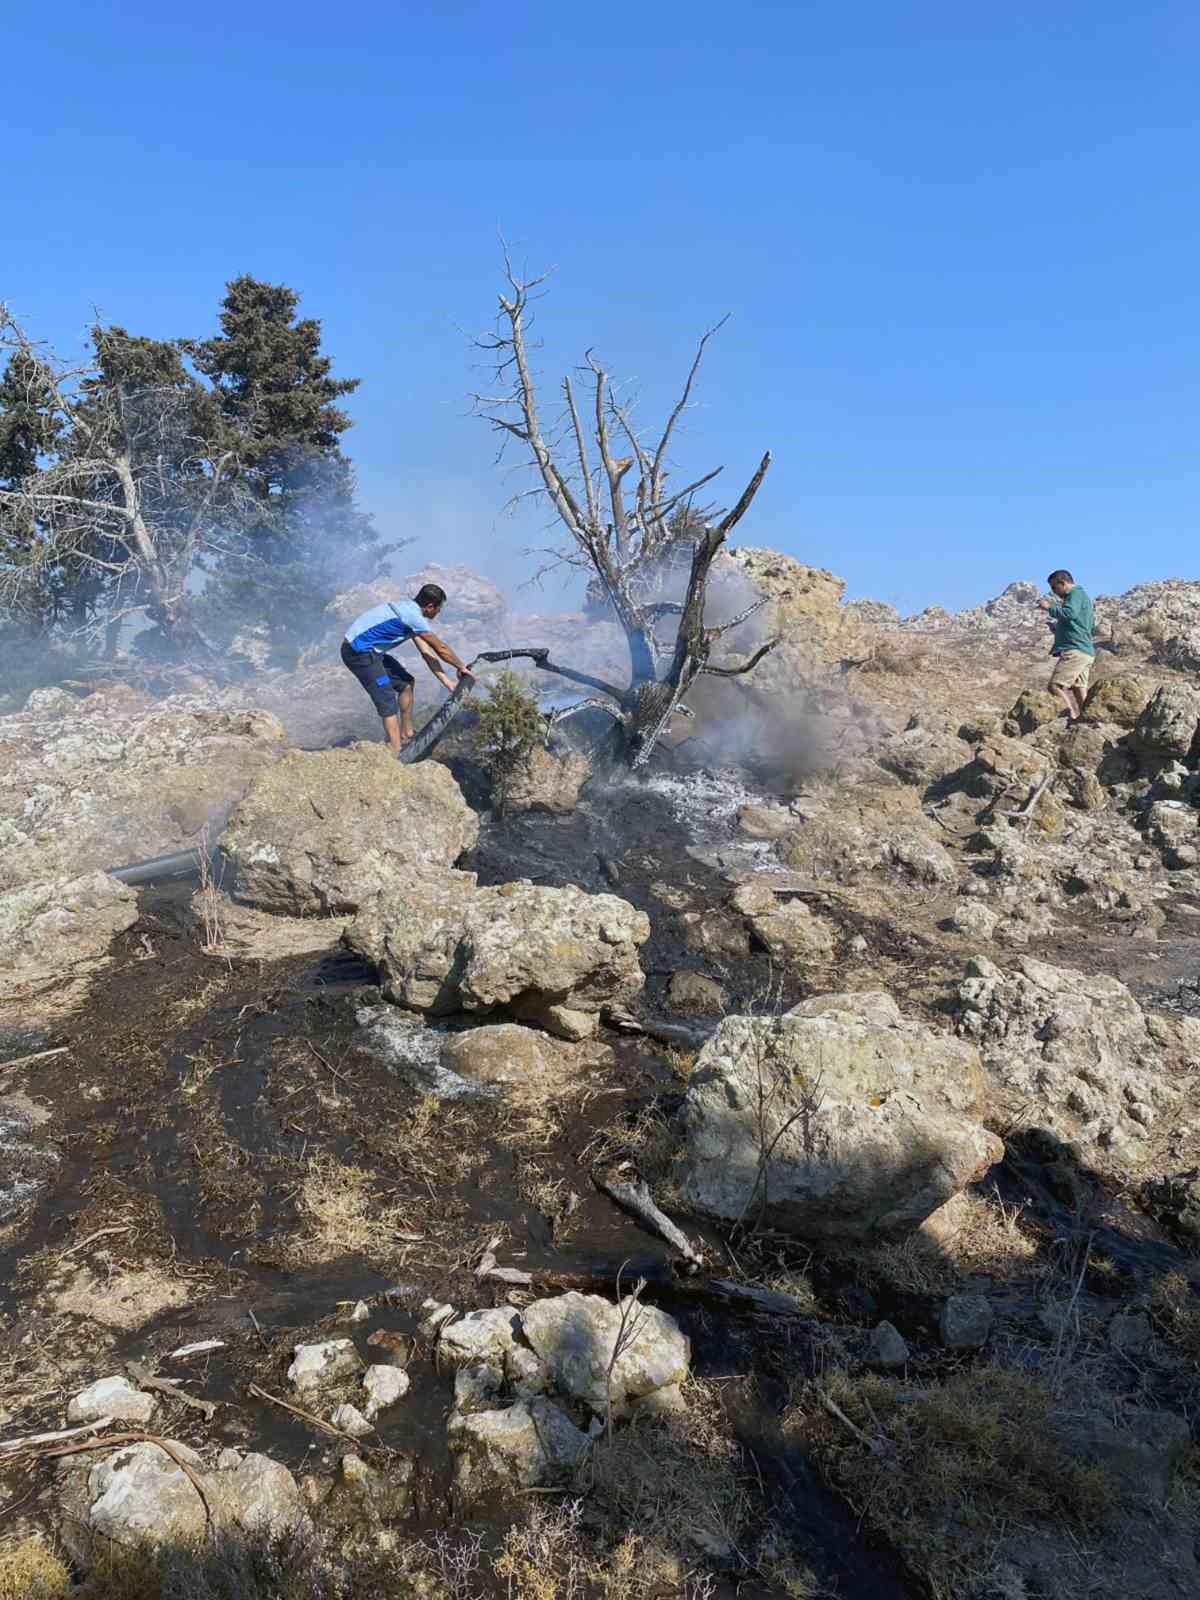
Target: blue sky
(959, 245)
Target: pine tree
(301, 535)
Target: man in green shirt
(1072, 618)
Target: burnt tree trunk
(620, 534)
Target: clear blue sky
(959, 243)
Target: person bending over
(365, 649)
(1072, 618)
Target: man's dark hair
(1061, 576)
(430, 594)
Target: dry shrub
(944, 1469)
(340, 1215)
(898, 658)
(552, 1556)
(987, 1238)
(1177, 1312)
(674, 1484)
(28, 1571)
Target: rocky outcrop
(141, 1495)
(328, 830)
(852, 843)
(574, 1337)
(473, 602)
(1169, 727)
(500, 1452)
(804, 610)
(551, 957)
(837, 1121)
(1071, 1051)
(54, 934)
(1120, 699)
(112, 784)
(922, 754)
(1033, 709)
(1164, 617)
(784, 927)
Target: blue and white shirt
(384, 626)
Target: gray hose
(179, 864)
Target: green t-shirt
(1073, 617)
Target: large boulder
(143, 1495)
(1070, 1051)
(54, 934)
(838, 1121)
(1120, 699)
(115, 783)
(575, 1337)
(800, 600)
(1169, 727)
(551, 957)
(922, 755)
(502, 1452)
(327, 830)
(869, 829)
(412, 934)
(786, 928)
(1032, 710)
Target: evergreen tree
(300, 536)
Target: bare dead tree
(609, 490)
(123, 503)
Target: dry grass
(647, 1139)
(945, 1470)
(341, 1215)
(220, 1570)
(987, 1239)
(28, 1571)
(553, 1197)
(898, 658)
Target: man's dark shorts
(379, 675)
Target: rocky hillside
(776, 1177)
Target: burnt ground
(233, 1165)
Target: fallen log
(639, 1202)
(722, 1294)
(684, 1035)
(145, 1379)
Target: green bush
(509, 728)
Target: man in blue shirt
(390, 686)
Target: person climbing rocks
(390, 686)
(1072, 618)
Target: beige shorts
(1072, 670)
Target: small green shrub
(508, 730)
